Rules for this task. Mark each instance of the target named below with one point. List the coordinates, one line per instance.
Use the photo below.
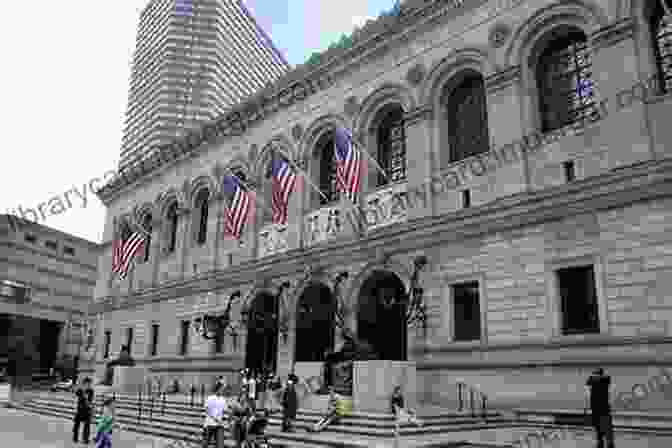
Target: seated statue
(124, 359)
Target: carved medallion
(297, 132)
(416, 74)
(498, 35)
(351, 106)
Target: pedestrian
(105, 425)
(598, 389)
(240, 410)
(83, 412)
(214, 425)
(290, 403)
(401, 413)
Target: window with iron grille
(203, 207)
(661, 28)
(147, 226)
(171, 218)
(467, 119)
(106, 344)
(467, 312)
(184, 337)
(578, 300)
(327, 166)
(155, 340)
(564, 77)
(392, 147)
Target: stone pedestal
(129, 380)
(374, 381)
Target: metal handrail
(473, 395)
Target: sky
(65, 76)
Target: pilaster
(419, 161)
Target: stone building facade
(47, 279)
(516, 164)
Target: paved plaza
(21, 429)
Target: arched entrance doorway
(315, 322)
(262, 334)
(381, 317)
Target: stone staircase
(178, 419)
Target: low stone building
(46, 286)
(518, 160)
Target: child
(105, 425)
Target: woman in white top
(216, 407)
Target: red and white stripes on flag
(123, 252)
(348, 164)
(284, 180)
(241, 208)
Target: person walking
(290, 403)
(598, 389)
(213, 427)
(83, 412)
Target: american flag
(241, 208)
(123, 251)
(284, 180)
(184, 7)
(348, 163)
(584, 87)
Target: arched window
(147, 226)
(467, 118)
(392, 146)
(564, 77)
(327, 168)
(660, 22)
(171, 228)
(202, 207)
(267, 189)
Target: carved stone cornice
(418, 115)
(613, 34)
(502, 79)
(644, 182)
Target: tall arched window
(564, 77)
(202, 208)
(171, 228)
(147, 226)
(327, 168)
(467, 118)
(392, 146)
(660, 22)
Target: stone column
(219, 206)
(419, 162)
(617, 81)
(504, 92)
(155, 249)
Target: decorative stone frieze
(612, 34)
(386, 206)
(499, 33)
(502, 79)
(322, 225)
(272, 240)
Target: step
(302, 424)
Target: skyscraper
(193, 60)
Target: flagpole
(257, 196)
(369, 156)
(301, 172)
